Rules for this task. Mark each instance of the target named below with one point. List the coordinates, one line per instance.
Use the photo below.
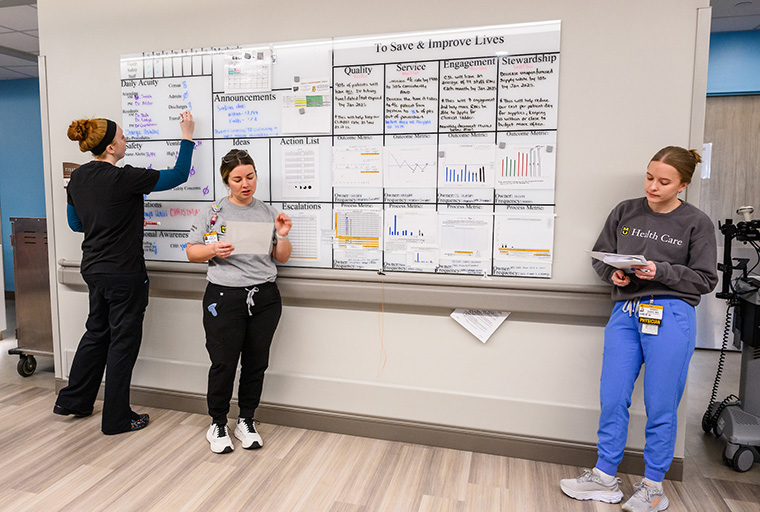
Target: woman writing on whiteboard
(241, 306)
(652, 323)
(106, 203)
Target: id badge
(210, 238)
(650, 318)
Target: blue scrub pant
(666, 359)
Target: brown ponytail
(682, 160)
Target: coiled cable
(710, 418)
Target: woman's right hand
(223, 249)
(620, 279)
(187, 124)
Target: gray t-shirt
(236, 270)
(681, 243)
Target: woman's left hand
(645, 272)
(283, 224)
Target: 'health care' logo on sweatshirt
(640, 233)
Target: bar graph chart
(394, 230)
(410, 239)
(422, 258)
(529, 166)
(466, 165)
(522, 163)
(461, 174)
(358, 227)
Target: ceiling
(19, 37)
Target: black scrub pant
(112, 341)
(235, 331)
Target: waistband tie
(631, 306)
(249, 299)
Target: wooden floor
(49, 462)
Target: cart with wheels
(34, 330)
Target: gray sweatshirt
(681, 244)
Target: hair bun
(78, 130)
(695, 154)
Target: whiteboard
(426, 152)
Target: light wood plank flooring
(50, 463)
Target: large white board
(421, 152)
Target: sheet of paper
(300, 171)
(481, 323)
(523, 236)
(250, 237)
(621, 261)
(307, 112)
(410, 166)
(411, 239)
(357, 166)
(247, 70)
(466, 165)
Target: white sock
(652, 483)
(606, 479)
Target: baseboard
(482, 441)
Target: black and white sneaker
(245, 430)
(219, 438)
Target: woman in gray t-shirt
(242, 305)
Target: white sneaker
(245, 430)
(219, 438)
(590, 486)
(648, 497)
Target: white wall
(626, 85)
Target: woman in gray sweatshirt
(653, 323)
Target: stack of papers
(621, 261)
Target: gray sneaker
(589, 486)
(647, 498)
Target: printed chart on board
(428, 152)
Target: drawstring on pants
(249, 299)
(631, 306)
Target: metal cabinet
(34, 328)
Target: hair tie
(107, 138)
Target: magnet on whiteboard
(502, 145)
(302, 111)
(441, 154)
(296, 82)
(549, 149)
(486, 277)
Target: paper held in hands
(250, 237)
(621, 261)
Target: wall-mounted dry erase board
(420, 152)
